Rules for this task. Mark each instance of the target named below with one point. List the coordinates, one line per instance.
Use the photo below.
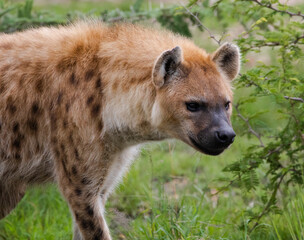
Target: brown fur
(75, 100)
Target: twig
(246, 120)
(298, 39)
(201, 24)
(269, 5)
(295, 99)
(273, 151)
(274, 44)
(225, 187)
(269, 203)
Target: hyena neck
(128, 116)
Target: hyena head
(194, 97)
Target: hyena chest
(120, 162)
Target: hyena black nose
(225, 136)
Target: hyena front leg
(85, 204)
(83, 227)
(89, 227)
(80, 182)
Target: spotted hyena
(76, 101)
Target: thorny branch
(270, 6)
(273, 44)
(295, 99)
(202, 25)
(298, 39)
(246, 120)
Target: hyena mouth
(205, 150)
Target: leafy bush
(276, 92)
(19, 16)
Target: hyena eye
(193, 106)
(227, 105)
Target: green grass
(292, 218)
(42, 214)
(166, 195)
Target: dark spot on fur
(35, 109)
(90, 100)
(17, 143)
(73, 79)
(89, 211)
(98, 235)
(32, 125)
(57, 153)
(64, 123)
(85, 181)
(67, 107)
(78, 191)
(115, 85)
(38, 148)
(62, 148)
(17, 156)
(74, 170)
(54, 140)
(53, 121)
(88, 224)
(65, 64)
(91, 225)
(89, 195)
(22, 80)
(76, 154)
(16, 127)
(89, 74)
(2, 89)
(59, 98)
(95, 110)
(77, 216)
(71, 138)
(10, 105)
(32, 179)
(84, 224)
(12, 109)
(39, 86)
(78, 49)
(99, 126)
(98, 83)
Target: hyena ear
(227, 58)
(166, 65)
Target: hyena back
(76, 102)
